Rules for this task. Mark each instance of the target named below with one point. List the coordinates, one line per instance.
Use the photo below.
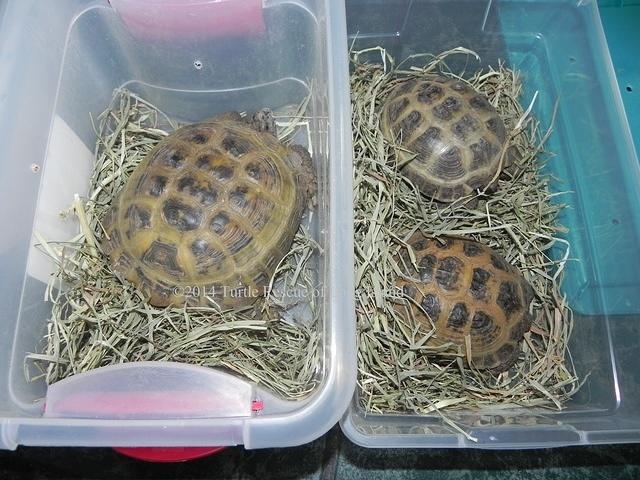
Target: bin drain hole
(197, 64)
(629, 89)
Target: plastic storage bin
(60, 63)
(560, 49)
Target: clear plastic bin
(560, 49)
(61, 62)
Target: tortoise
(210, 212)
(463, 287)
(451, 137)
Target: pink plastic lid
(152, 19)
(151, 390)
(154, 390)
(167, 455)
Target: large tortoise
(210, 212)
(450, 137)
(462, 288)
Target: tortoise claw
(264, 121)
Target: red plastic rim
(168, 454)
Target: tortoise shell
(451, 136)
(209, 213)
(465, 288)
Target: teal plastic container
(561, 51)
(621, 21)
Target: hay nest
(98, 320)
(396, 369)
